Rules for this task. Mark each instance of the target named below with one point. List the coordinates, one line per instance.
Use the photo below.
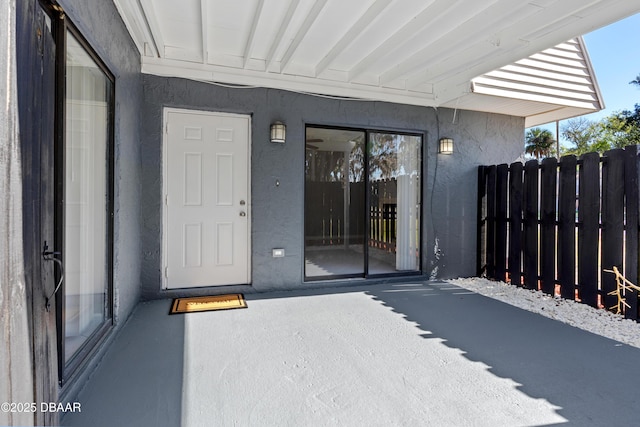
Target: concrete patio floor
(414, 354)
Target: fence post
(567, 227)
(548, 198)
(588, 228)
(632, 193)
(491, 222)
(502, 177)
(531, 224)
(481, 237)
(515, 223)
(612, 221)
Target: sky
(614, 51)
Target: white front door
(207, 212)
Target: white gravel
(582, 316)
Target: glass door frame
(366, 209)
(61, 27)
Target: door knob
(243, 213)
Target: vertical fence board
(481, 255)
(491, 221)
(612, 221)
(548, 196)
(515, 225)
(385, 217)
(357, 217)
(375, 226)
(567, 227)
(632, 194)
(531, 224)
(502, 176)
(588, 229)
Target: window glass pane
(394, 202)
(334, 202)
(86, 197)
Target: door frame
(35, 94)
(367, 131)
(163, 196)
(68, 369)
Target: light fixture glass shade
(445, 146)
(278, 132)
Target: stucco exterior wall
(480, 139)
(449, 191)
(100, 23)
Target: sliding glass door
(362, 203)
(334, 202)
(394, 202)
(86, 202)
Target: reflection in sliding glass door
(362, 203)
(87, 198)
(394, 202)
(334, 202)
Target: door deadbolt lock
(242, 202)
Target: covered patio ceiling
(421, 52)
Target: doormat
(209, 303)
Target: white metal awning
(421, 52)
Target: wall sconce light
(278, 132)
(445, 146)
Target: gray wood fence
(555, 226)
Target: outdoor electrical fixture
(278, 132)
(445, 146)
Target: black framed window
(362, 203)
(84, 163)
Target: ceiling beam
(302, 32)
(152, 22)
(248, 47)
(431, 11)
(492, 21)
(471, 17)
(281, 30)
(357, 29)
(204, 22)
(569, 11)
(133, 20)
(254, 78)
